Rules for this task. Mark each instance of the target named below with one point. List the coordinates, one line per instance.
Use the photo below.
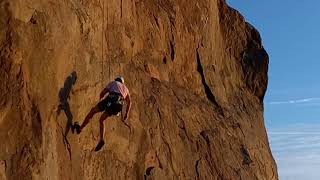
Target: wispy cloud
(294, 133)
(297, 151)
(296, 101)
(310, 104)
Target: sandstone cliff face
(196, 70)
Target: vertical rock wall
(196, 70)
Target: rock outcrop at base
(196, 70)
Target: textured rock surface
(197, 74)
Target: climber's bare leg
(92, 112)
(103, 117)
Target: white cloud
(297, 151)
(310, 104)
(297, 101)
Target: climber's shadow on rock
(64, 96)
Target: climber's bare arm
(103, 92)
(128, 100)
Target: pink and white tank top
(118, 87)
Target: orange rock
(196, 70)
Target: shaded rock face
(197, 73)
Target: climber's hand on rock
(125, 122)
(125, 118)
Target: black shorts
(109, 106)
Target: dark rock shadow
(64, 96)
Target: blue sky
(290, 31)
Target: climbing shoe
(76, 127)
(100, 145)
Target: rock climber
(115, 94)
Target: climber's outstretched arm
(128, 100)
